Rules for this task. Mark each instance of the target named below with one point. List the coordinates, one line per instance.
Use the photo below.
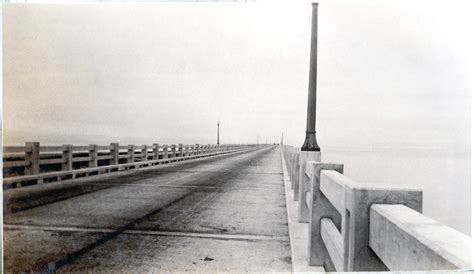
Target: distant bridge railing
(361, 227)
(35, 164)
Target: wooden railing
(361, 227)
(35, 164)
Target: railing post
(198, 149)
(114, 152)
(145, 153)
(67, 157)
(320, 208)
(131, 154)
(165, 151)
(355, 225)
(156, 151)
(304, 183)
(180, 148)
(93, 155)
(173, 151)
(32, 157)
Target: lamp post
(310, 143)
(310, 150)
(218, 124)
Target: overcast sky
(391, 73)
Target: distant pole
(310, 143)
(257, 140)
(281, 142)
(218, 123)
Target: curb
(298, 231)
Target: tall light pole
(310, 150)
(218, 124)
(310, 143)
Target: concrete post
(93, 153)
(358, 256)
(114, 152)
(320, 208)
(32, 157)
(304, 183)
(165, 151)
(131, 154)
(156, 151)
(67, 157)
(173, 151)
(145, 153)
(180, 149)
(198, 149)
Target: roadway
(224, 213)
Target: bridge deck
(225, 213)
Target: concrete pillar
(180, 150)
(304, 183)
(67, 157)
(156, 151)
(165, 151)
(145, 153)
(173, 151)
(93, 153)
(32, 157)
(320, 208)
(358, 256)
(131, 154)
(114, 152)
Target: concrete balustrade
(320, 208)
(352, 201)
(304, 183)
(35, 163)
(404, 239)
(357, 226)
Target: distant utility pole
(310, 143)
(218, 123)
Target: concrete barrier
(407, 240)
(352, 200)
(35, 163)
(369, 227)
(320, 208)
(17, 199)
(304, 183)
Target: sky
(390, 73)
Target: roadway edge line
(298, 231)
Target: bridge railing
(32, 163)
(365, 227)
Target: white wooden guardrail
(35, 163)
(361, 227)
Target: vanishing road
(223, 213)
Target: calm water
(444, 177)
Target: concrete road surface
(225, 213)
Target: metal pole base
(310, 143)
